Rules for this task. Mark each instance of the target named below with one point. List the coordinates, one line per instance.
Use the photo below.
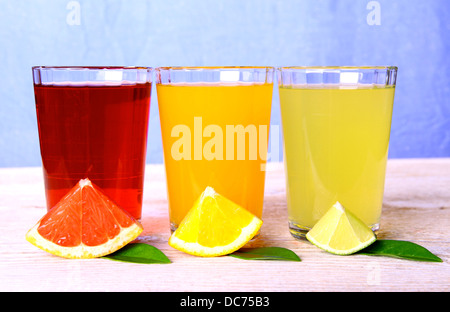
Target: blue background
(413, 35)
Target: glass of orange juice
(214, 126)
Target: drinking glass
(214, 125)
(336, 124)
(93, 123)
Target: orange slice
(84, 224)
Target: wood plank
(416, 208)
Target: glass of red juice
(93, 123)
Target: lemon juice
(335, 149)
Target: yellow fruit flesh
(214, 226)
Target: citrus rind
(197, 249)
(83, 251)
(338, 251)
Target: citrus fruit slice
(340, 232)
(84, 224)
(214, 226)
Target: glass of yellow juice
(336, 125)
(214, 125)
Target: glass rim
(351, 67)
(199, 68)
(88, 75)
(92, 67)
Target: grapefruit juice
(98, 132)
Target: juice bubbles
(96, 131)
(336, 142)
(214, 134)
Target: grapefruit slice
(84, 224)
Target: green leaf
(399, 249)
(139, 253)
(266, 253)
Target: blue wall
(413, 34)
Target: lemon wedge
(214, 226)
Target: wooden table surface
(416, 208)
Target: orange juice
(214, 134)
